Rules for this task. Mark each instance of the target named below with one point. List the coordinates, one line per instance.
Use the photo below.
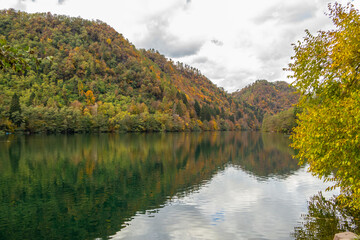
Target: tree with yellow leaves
(326, 72)
(90, 98)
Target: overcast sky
(232, 42)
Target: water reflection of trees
(87, 186)
(324, 219)
(265, 155)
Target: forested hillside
(268, 97)
(274, 103)
(98, 81)
(283, 121)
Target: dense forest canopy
(98, 81)
(270, 97)
(274, 103)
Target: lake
(218, 185)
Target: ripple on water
(233, 205)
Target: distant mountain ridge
(270, 97)
(276, 102)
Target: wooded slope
(270, 97)
(98, 81)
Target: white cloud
(159, 36)
(20, 5)
(237, 41)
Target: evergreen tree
(178, 95)
(184, 99)
(15, 110)
(205, 113)
(197, 108)
(222, 113)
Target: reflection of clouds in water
(218, 217)
(172, 222)
(233, 205)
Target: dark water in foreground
(227, 185)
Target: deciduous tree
(326, 72)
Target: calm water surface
(152, 186)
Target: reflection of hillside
(86, 186)
(265, 155)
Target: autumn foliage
(326, 72)
(98, 81)
(268, 97)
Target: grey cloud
(200, 60)
(217, 72)
(217, 42)
(241, 78)
(188, 1)
(238, 80)
(288, 13)
(212, 69)
(159, 38)
(182, 49)
(61, 1)
(275, 51)
(229, 80)
(221, 76)
(275, 55)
